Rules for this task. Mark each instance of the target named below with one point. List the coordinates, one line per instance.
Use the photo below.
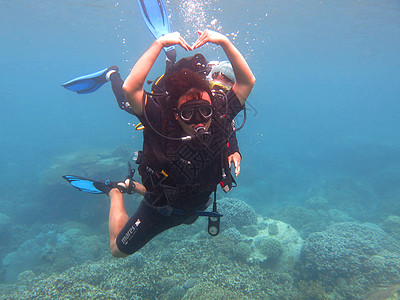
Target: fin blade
(83, 184)
(87, 83)
(156, 18)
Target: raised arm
(244, 77)
(133, 85)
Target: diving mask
(195, 111)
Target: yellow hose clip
(139, 126)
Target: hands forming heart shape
(206, 36)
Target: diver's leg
(117, 220)
(144, 225)
(116, 85)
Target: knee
(115, 250)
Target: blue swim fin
(102, 187)
(87, 185)
(156, 18)
(87, 83)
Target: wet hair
(185, 81)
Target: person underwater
(184, 154)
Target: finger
(199, 43)
(196, 43)
(201, 40)
(237, 168)
(237, 171)
(184, 44)
(183, 40)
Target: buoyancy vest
(182, 173)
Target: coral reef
(353, 255)
(4, 221)
(236, 213)
(349, 194)
(250, 230)
(270, 247)
(56, 201)
(273, 229)
(176, 292)
(208, 290)
(392, 226)
(312, 290)
(385, 293)
(317, 202)
(90, 163)
(122, 279)
(192, 266)
(52, 250)
(279, 250)
(5, 231)
(233, 247)
(307, 221)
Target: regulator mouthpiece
(202, 135)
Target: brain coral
(236, 213)
(270, 247)
(347, 250)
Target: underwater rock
(236, 213)
(283, 247)
(357, 254)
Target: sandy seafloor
(316, 214)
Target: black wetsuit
(176, 174)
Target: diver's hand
(235, 158)
(174, 38)
(209, 36)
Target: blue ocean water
(323, 118)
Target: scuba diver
(187, 131)
(184, 149)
